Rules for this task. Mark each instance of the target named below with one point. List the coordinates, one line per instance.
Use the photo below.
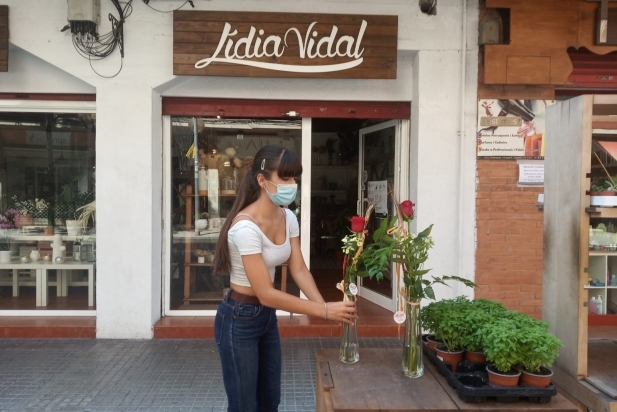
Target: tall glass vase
(349, 343)
(413, 367)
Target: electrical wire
(146, 2)
(95, 47)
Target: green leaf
(429, 292)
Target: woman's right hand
(342, 311)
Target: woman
(257, 236)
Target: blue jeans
(249, 346)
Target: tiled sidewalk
(156, 375)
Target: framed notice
(254, 44)
(510, 129)
(530, 172)
(377, 193)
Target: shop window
(200, 204)
(47, 218)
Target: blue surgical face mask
(285, 194)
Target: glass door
(378, 170)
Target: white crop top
(246, 238)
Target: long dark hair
(274, 158)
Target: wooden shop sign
(244, 44)
(4, 38)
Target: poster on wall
(378, 196)
(511, 129)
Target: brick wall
(509, 238)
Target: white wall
(129, 141)
(30, 74)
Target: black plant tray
(471, 383)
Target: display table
(42, 268)
(376, 383)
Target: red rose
(407, 209)
(357, 224)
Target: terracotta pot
(607, 193)
(539, 380)
(431, 342)
(502, 379)
(453, 358)
(475, 357)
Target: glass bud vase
(349, 343)
(413, 366)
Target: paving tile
(155, 375)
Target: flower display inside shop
(7, 219)
(30, 207)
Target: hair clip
(263, 164)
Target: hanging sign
(245, 44)
(4, 38)
(510, 129)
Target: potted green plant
(429, 317)
(452, 328)
(202, 222)
(480, 312)
(503, 350)
(202, 254)
(88, 212)
(539, 349)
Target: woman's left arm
(301, 274)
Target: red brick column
(509, 230)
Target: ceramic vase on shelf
(349, 342)
(413, 367)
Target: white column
(436, 174)
(128, 200)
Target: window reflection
(47, 188)
(201, 201)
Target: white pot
(201, 224)
(201, 259)
(73, 227)
(5, 256)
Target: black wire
(99, 47)
(108, 77)
(169, 11)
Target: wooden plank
(376, 383)
(272, 17)
(215, 28)
(582, 391)
(353, 46)
(602, 212)
(567, 163)
(528, 70)
(372, 63)
(602, 364)
(237, 71)
(603, 99)
(326, 376)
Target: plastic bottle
(599, 305)
(613, 280)
(593, 305)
